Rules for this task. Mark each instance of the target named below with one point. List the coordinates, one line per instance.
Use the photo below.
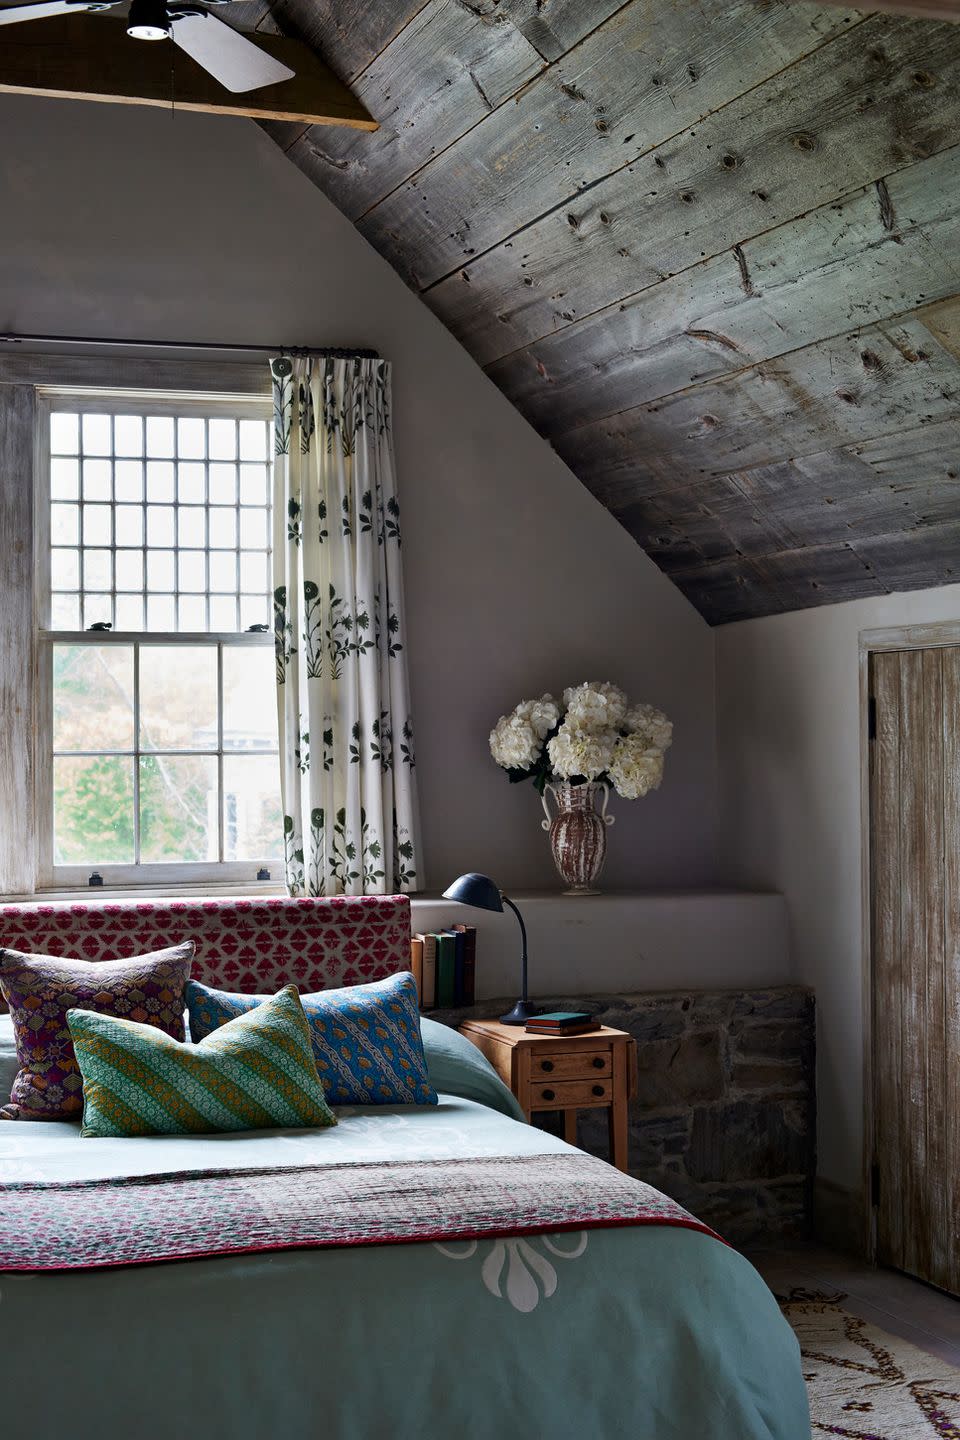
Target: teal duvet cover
(651, 1333)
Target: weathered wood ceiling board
(711, 251)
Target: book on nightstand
(468, 991)
(416, 964)
(562, 1022)
(428, 993)
(446, 969)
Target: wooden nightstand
(580, 1072)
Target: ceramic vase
(578, 832)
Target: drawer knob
(599, 1063)
(598, 1089)
(546, 1064)
(548, 1095)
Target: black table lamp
(480, 892)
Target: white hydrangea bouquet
(593, 734)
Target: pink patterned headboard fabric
(245, 945)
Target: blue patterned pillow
(366, 1038)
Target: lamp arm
(523, 939)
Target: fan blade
(227, 55)
(12, 14)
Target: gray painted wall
(147, 223)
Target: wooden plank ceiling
(711, 251)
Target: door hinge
(872, 718)
(875, 1184)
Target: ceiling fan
(226, 54)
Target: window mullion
(136, 754)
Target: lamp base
(520, 1013)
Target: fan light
(148, 20)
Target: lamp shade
(476, 890)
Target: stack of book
(444, 966)
(562, 1022)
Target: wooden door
(915, 902)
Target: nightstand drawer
(574, 1065)
(559, 1094)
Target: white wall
(143, 223)
(789, 733)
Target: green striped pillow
(255, 1073)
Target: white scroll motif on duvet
(530, 1276)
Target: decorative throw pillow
(366, 1038)
(40, 989)
(255, 1073)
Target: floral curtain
(350, 814)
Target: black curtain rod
(324, 353)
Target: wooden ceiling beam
(918, 9)
(91, 57)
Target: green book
(446, 969)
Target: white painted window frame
(27, 380)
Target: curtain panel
(350, 814)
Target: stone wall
(724, 1117)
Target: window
(158, 700)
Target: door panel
(915, 812)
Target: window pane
(96, 434)
(191, 484)
(223, 484)
(160, 433)
(192, 526)
(223, 571)
(253, 611)
(253, 572)
(161, 613)
(97, 570)
(193, 571)
(65, 612)
(223, 439)
(253, 529)
(252, 822)
(178, 697)
(178, 808)
(191, 438)
(65, 524)
(223, 529)
(128, 480)
(253, 484)
(253, 439)
(223, 611)
(160, 481)
(191, 613)
(128, 434)
(160, 571)
(64, 433)
(93, 810)
(129, 524)
(97, 610)
(128, 612)
(97, 480)
(65, 569)
(249, 698)
(92, 697)
(97, 528)
(160, 529)
(129, 569)
(64, 479)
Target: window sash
(206, 875)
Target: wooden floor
(924, 1316)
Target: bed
(652, 1330)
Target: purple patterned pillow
(40, 989)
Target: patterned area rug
(865, 1383)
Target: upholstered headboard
(247, 945)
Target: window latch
(263, 873)
(95, 879)
(257, 629)
(101, 625)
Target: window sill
(204, 891)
